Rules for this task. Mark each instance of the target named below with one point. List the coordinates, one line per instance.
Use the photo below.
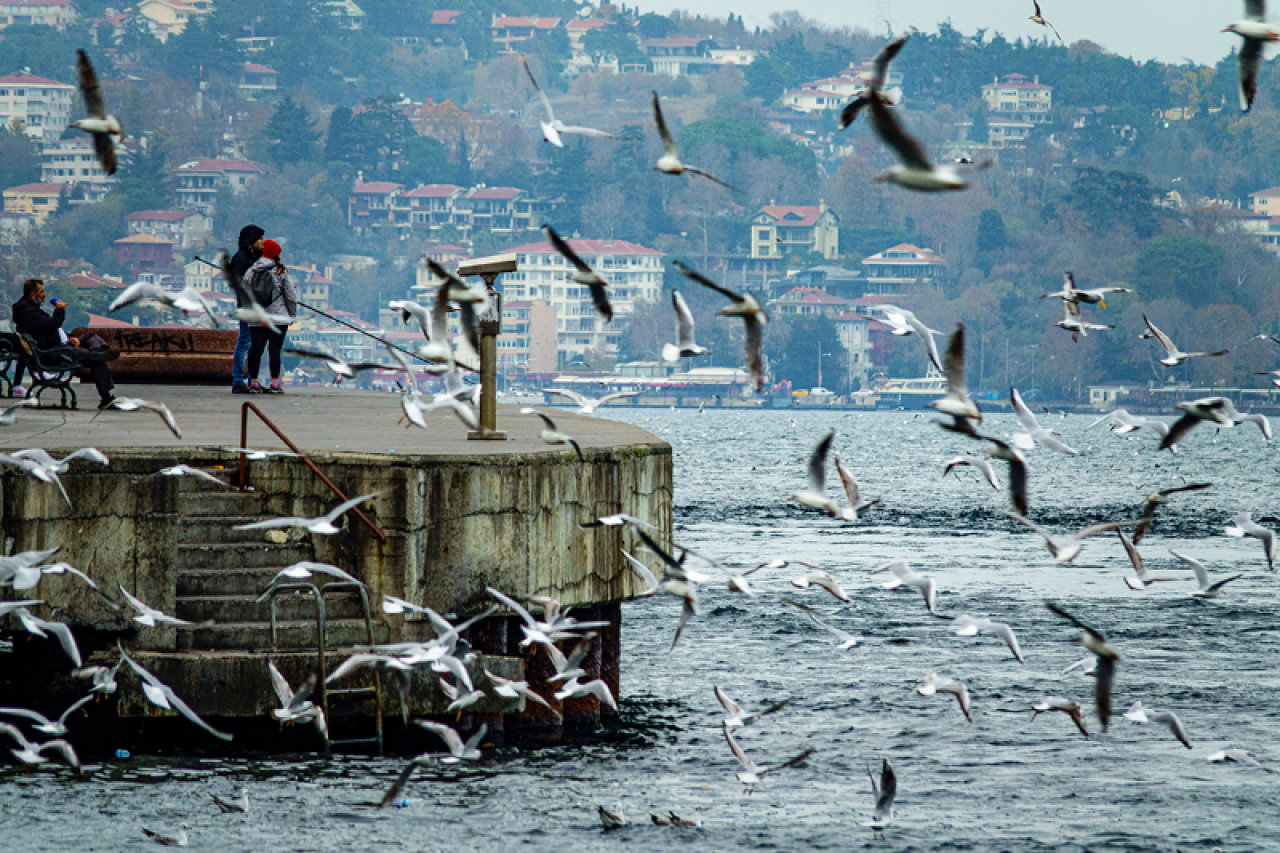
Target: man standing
(46, 331)
(251, 240)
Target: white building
(39, 105)
(73, 161)
(197, 182)
(634, 274)
(50, 13)
(187, 228)
(854, 332)
(1013, 97)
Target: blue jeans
(238, 376)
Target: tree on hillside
(1182, 267)
(19, 158)
(290, 134)
(793, 344)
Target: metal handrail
(244, 463)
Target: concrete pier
(451, 518)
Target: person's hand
(59, 304)
(75, 342)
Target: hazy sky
(1168, 30)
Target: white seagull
(133, 404)
(903, 576)
(30, 753)
(748, 309)
(322, 525)
(1206, 590)
(551, 435)
(552, 128)
(163, 696)
(582, 273)
(39, 464)
(1065, 549)
(297, 706)
(1219, 411)
(1065, 706)
(1041, 436)
(979, 463)
(188, 471)
(1256, 32)
(685, 345)
(1172, 355)
(902, 322)
(815, 496)
(1096, 296)
(1123, 423)
(856, 504)
(588, 405)
(669, 163)
(1138, 714)
(823, 580)
(847, 640)
(934, 683)
(574, 689)
(1244, 525)
(751, 772)
(515, 690)
(1141, 576)
(341, 369)
(181, 840)
(101, 125)
(956, 403)
(967, 626)
(1077, 325)
(306, 569)
(188, 300)
(41, 628)
(149, 616)
(42, 723)
(884, 793)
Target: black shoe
(240, 388)
(105, 402)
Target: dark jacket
(245, 258)
(29, 319)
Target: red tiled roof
(100, 322)
(792, 214)
(38, 189)
(443, 17)
(1271, 193)
(146, 239)
(587, 24)
(430, 191)
(377, 188)
(496, 192)
(810, 296)
(88, 280)
(219, 165)
(921, 256)
(159, 215)
(523, 21)
(589, 247)
(21, 78)
(255, 68)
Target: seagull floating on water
(240, 806)
(180, 840)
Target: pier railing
(244, 463)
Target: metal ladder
(318, 594)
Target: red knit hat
(270, 249)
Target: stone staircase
(221, 572)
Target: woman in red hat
(283, 303)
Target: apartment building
(39, 105)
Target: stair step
(293, 635)
(217, 501)
(221, 530)
(196, 582)
(242, 555)
(290, 607)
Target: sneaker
(273, 388)
(254, 387)
(105, 402)
(240, 388)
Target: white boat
(911, 394)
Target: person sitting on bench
(30, 319)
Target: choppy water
(1001, 783)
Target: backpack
(263, 287)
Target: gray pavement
(317, 420)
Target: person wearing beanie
(251, 239)
(284, 303)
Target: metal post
(490, 326)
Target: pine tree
(290, 135)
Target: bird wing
(1058, 611)
(1160, 336)
(1095, 529)
(849, 483)
(684, 320)
(710, 177)
(668, 144)
(880, 65)
(888, 789)
(1178, 431)
(701, 279)
(393, 793)
(137, 293)
(1134, 557)
(790, 762)
(1250, 58)
(1025, 415)
(910, 151)
(745, 761)
(1255, 10)
(283, 691)
(1104, 677)
(514, 605)
(546, 102)
(343, 507)
(600, 298)
(558, 243)
(953, 363)
(448, 735)
(474, 740)
(135, 603)
(730, 707)
(94, 104)
(818, 464)
(565, 392)
(617, 395)
(666, 558)
(1021, 519)
(1202, 574)
(29, 714)
(754, 339)
(641, 569)
(687, 612)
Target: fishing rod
(341, 322)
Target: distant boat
(911, 394)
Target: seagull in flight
(1123, 423)
(856, 504)
(552, 128)
(582, 273)
(980, 464)
(744, 306)
(1095, 296)
(39, 464)
(875, 89)
(1065, 549)
(685, 345)
(904, 576)
(1038, 434)
(1157, 499)
(967, 626)
(340, 369)
(43, 724)
(1244, 525)
(1141, 576)
(188, 471)
(933, 683)
(1256, 32)
(1138, 714)
(147, 615)
(1217, 410)
(847, 640)
(1172, 355)
(188, 300)
(956, 403)
(735, 717)
(134, 404)
(814, 496)
(252, 312)
(1077, 325)
(884, 793)
(1206, 590)
(551, 435)
(30, 753)
(458, 751)
(297, 706)
(322, 525)
(588, 405)
(1107, 656)
(163, 696)
(1063, 705)
(670, 163)
(101, 125)
(903, 322)
(751, 772)
(1039, 19)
